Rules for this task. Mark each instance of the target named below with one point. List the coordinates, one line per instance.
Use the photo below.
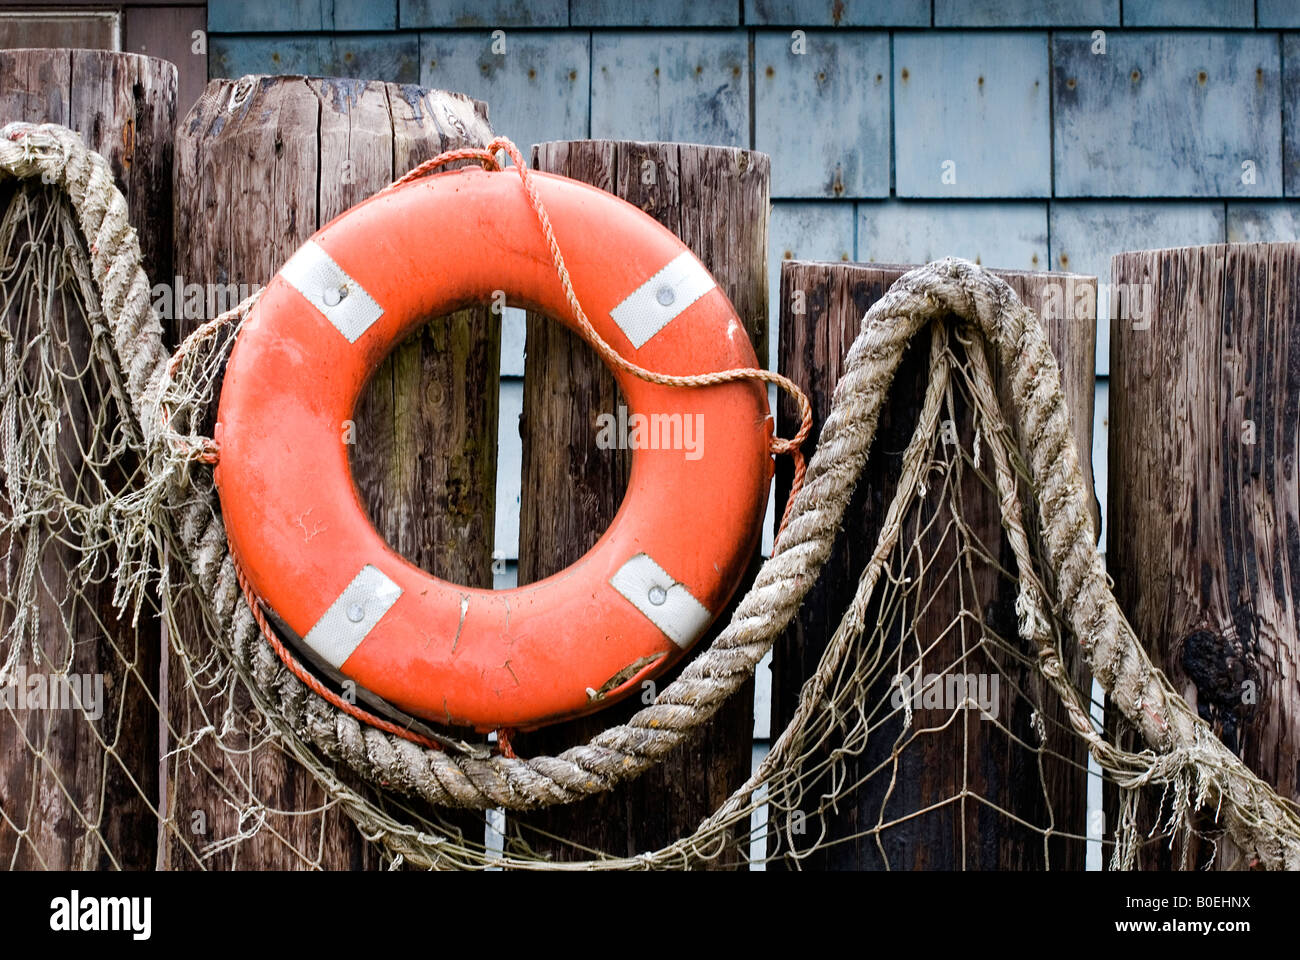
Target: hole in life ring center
(438, 452)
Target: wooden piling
(821, 310)
(262, 163)
(68, 803)
(716, 200)
(1204, 490)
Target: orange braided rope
(308, 678)
(487, 158)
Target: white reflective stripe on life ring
(662, 299)
(665, 602)
(352, 615)
(327, 287)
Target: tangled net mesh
(202, 751)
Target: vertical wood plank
(813, 346)
(261, 165)
(1204, 493)
(716, 200)
(85, 808)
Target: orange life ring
(563, 646)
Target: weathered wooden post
(68, 803)
(716, 200)
(261, 164)
(1204, 495)
(821, 310)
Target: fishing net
(198, 736)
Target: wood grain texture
(960, 94)
(663, 85)
(44, 29)
(812, 351)
(716, 200)
(124, 108)
(1204, 494)
(1165, 114)
(823, 115)
(259, 170)
(168, 34)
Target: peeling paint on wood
(388, 57)
(838, 13)
(824, 115)
(300, 16)
(1263, 222)
(661, 13)
(1277, 13)
(1167, 115)
(1026, 13)
(658, 85)
(492, 14)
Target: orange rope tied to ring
(318, 688)
(793, 446)
(487, 158)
